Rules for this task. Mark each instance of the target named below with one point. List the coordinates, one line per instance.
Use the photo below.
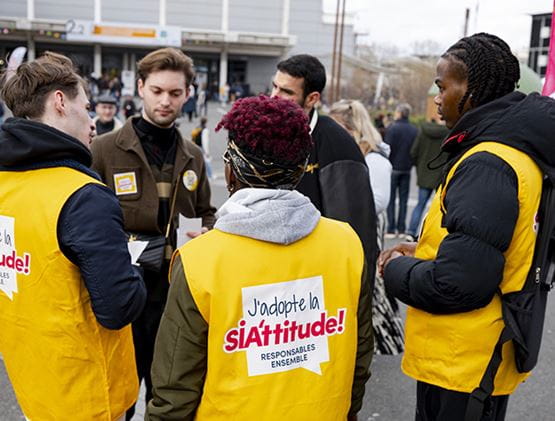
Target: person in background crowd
(201, 137)
(68, 296)
(380, 125)
(106, 120)
(351, 115)
(92, 85)
(202, 101)
(190, 105)
(400, 136)
(389, 119)
(155, 175)
(479, 236)
(224, 94)
(336, 177)
(129, 107)
(269, 241)
(424, 154)
(115, 86)
(104, 84)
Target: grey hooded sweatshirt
(180, 356)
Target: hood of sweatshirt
(525, 122)
(275, 216)
(25, 143)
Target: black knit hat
(106, 99)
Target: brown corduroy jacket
(120, 152)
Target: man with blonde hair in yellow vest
(68, 291)
(478, 239)
(268, 315)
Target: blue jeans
(400, 180)
(423, 196)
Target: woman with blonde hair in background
(352, 115)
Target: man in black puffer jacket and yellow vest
(478, 239)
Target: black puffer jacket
(339, 186)
(90, 226)
(481, 207)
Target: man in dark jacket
(156, 175)
(105, 119)
(478, 239)
(400, 137)
(336, 179)
(69, 292)
(424, 150)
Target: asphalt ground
(390, 395)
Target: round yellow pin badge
(190, 180)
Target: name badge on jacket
(125, 183)
(190, 180)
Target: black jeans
(145, 328)
(434, 403)
(400, 180)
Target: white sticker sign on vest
(285, 326)
(11, 264)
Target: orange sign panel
(122, 31)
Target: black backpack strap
(477, 399)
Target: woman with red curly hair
(268, 316)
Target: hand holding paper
(189, 228)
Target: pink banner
(549, 86)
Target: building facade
(539, 43)
(237, 42)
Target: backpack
(524, 310)
(196, 136)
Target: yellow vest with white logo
(62, 363)
(294, 382)
(452, 351)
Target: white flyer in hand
(187, 225)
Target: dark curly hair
(272, 128)
(487, 63)
(307, 67)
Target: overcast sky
(402, 22)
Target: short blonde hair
(352, 115)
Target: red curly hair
(271, 128)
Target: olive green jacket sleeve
(365, 345)
(179, 365)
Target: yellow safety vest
(259, 299)
(452, 351)
(62, 363)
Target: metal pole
(340, 58)
(162, 13)
(466, 18)
(285, 17)
(333, 56)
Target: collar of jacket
(313, 117)
(524, 122)
(128, 140)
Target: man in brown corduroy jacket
(156, 175)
